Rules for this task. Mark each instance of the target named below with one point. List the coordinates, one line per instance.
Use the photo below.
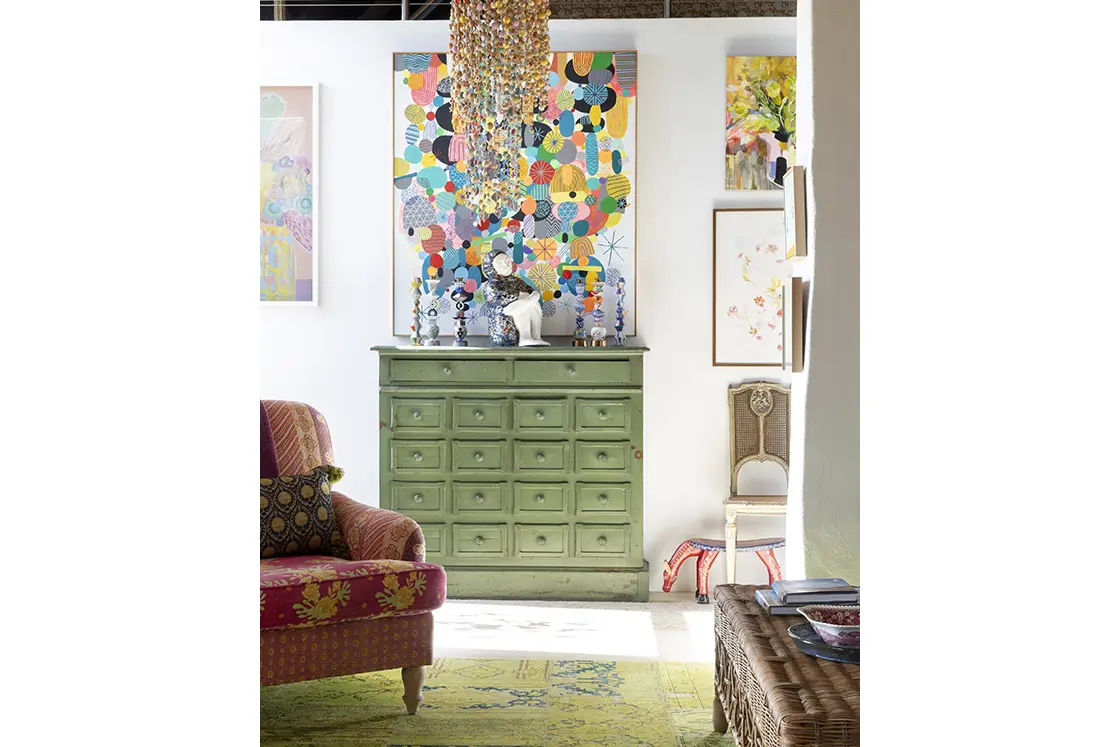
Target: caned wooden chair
(759, 423)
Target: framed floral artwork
(760, 122)
(750, 274)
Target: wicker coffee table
(767, 691)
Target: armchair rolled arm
(377, 533)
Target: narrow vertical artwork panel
(760, 121)
(288, 198)
(577, 214)
(796, 218)
(750, 273)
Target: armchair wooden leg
(413, 687)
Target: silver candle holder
(417, 319)
(431, 334)
(620, 313)
(461, 297)
(598, 331)
(579, 337)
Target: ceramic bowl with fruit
(837, 625)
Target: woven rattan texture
(773, 695)
(759, 425)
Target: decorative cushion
(268, 448)
(297, 517)
(310, 590)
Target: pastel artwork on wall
(577, 214)
(288, 197)
(760, 122)
(750, 275)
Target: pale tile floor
(670, 627)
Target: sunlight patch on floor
(668, 628)
(616, 633)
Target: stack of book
(784, 597)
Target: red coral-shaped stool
(706, 550)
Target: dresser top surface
(561, 348)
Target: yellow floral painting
(760, 121)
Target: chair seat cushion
(744, 545)
(308, 590)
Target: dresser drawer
(433, 541)
(468, 456)
(480, 540)
(602, 499)
(602, 414)
(534, 540)
(448, 371)
(603, 456)
(573, 372)
(478, 497)
(417, 456)
(422, 414)
(541, 456)
(540, 498)
(414, 498)
(481, 414)
(535, 414)
(602, 540)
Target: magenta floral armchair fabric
(366, 608)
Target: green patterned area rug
(502, 703)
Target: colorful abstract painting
(760, 121)
(576, 218)
(288, 195)
(750, 271)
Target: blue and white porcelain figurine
(514, 305)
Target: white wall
(825, 492)
(321, 355)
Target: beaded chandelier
(500, 64)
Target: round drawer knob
(479, 498)
(479, 416)
(602, 542)
(602, 415)
(540, 497)
(602, 458)
(416, 415)
(479, 541)
(418, 456)
(447, 369)
(541, 540)
(418, 498)
(540, 416)
(602, 498)
(478, 456)
(540, 457)
(571, 370)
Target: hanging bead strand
(499, 76)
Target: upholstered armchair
(364, 606)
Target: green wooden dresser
(523, 466)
